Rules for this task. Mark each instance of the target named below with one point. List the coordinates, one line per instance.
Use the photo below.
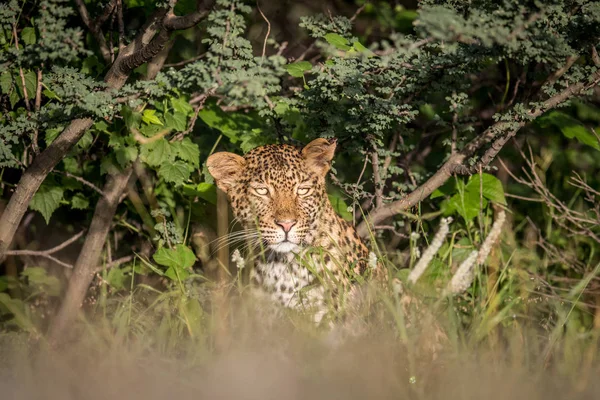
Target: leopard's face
(277, 192)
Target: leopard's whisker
(232, 235)
(230, 241)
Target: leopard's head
(277, 192)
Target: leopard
(278, 194)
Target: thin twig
(38, 105)
(114, 263)
(145, 140)
(268, 29)
(102, 18)
(532, 18)
(81, 180)
(200, 106)
(595, 57)
(94, 27)
(561, 71)
(120, 24)
(454, 164)
(48, 253)
(282, 48)
(377, 179)
(419, 43)
(357, 13)
(454, 132)
(392, 229)
(38, 92)
(185, 62)
(305, 52)
(388, 159)
(21, 74)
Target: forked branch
(501, 132)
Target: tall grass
(508, 334)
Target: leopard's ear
(225, 168)
(318, 155)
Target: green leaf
(297, 69)
(86, 140)
(177, 260)
(153, 130)
(6, 82)
(446, 189)
(340, 206)
(51, 134)
(39, 278)
(79, 202)
(116, 277)
(466, 203)
(28, 35)
(181, 105)
(175, 172)
(587, 112)
(125, 155)
(362, 49)
(19, 312)
(252, 139)
(187, 151)
(206, 191)
(571, 128)
(461, 250)
(149, 117)
(91, 66)
(30, 84)
(177, 121)
(101, 126)
(340, 42)
(156, 153)
(71, 165)
(14, 98)
(172, 274)
(50, 94)
(47, 199)
(132, 118)
(491, 187)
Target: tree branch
(560, 72)
(21, 74)
(173, 22)
(106, 13)
(595, 57)
(84, 269)
(264, 49)
(83, 181)
(121, 25)
(377, 179)
(48, 253)
(41, 166)
(34, 176)
(454, 164)
(94, 27)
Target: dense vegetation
(441, 109)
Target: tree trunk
(89, 257)
(33, 178)
(85, 267)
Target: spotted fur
(278, 194)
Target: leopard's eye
(261, 190)
(303, 191)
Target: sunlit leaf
(340, 42)
(298, 69)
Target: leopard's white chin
(284, 247)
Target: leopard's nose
(286, 224)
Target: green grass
(510, 335)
